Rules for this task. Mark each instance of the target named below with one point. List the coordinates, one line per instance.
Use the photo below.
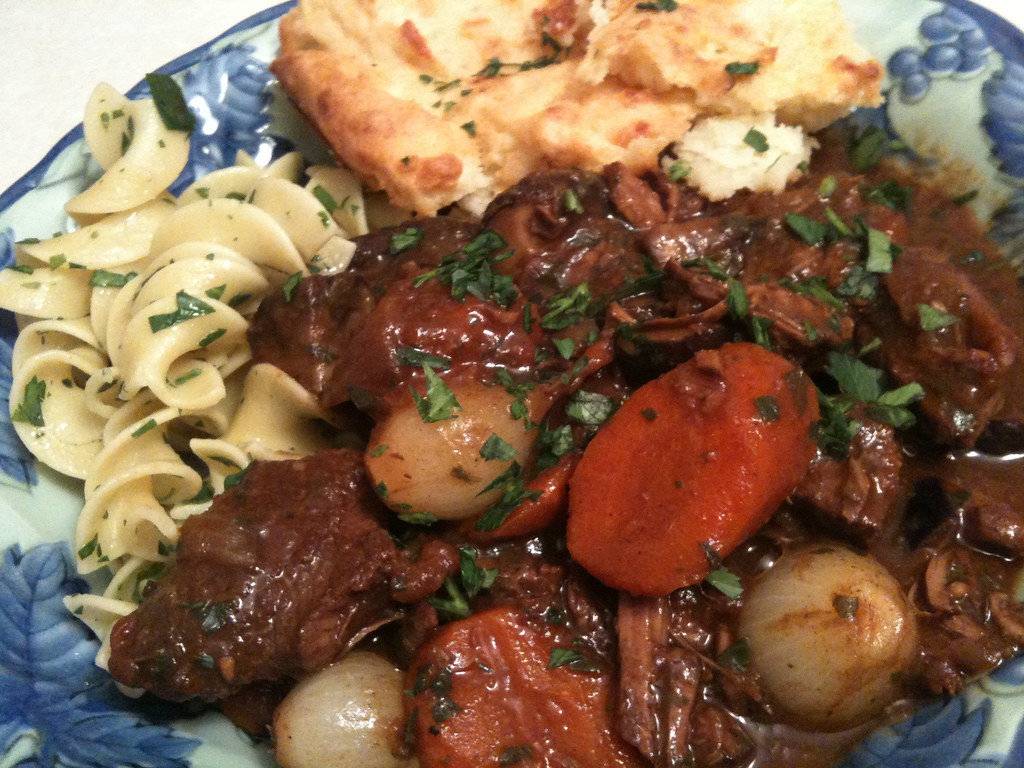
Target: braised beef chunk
(946, 336)
(855, 495)
(659, 682)
(282, 575)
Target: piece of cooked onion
(829, 632)
(347, 715)
(436, 467)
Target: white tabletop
(53, 52)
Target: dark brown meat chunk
(659, 681)
(855, 495)
(564, 231)
(282, 575)
(309, 334)
(963, 362)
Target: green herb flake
(846, 606)
(474, 578)
(756, 141)
(170, 102)
(439, 404)
(212, 336)
(768, 408)
(234, 479)
(212, 616)
(810, 231)
(469, 127)
(89, 547)
(934, 319)
(658, 5)
(405, 239)
(965, 198)
(880, 252)
(216, 292)
(571, 201)
(497, 449)
(568, 308)
(103, 279)
(726, 582)
(870, 147)
(649, 414)
(418, 518)
(513, 493)
(189, 308)
(891, 194)
(515, 755)
(736, 657)
(590, 408)
(827, 187)
(742, 68)
(679, 170)
(151, 424)
(290, 286)
(417, 357)
(565, 347)
(30, 411)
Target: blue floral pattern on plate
(57, 708)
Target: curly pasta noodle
(133, 351)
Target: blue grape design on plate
(56, 706)
(955, 46)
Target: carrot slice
(485, 692)
(698, 458)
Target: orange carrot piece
(699, 457)
(532, 515)
(485, 693)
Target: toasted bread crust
(433, 100)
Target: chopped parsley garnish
(551, 445)
(497, 449)
(810, 231)
(736, 656)
(565, 347)
(965, 198)
(151, 424)
(453, 603)
(514, 755)
(439, 403)
(846, 606)
(496, 66)
(880, 252)
(568, 308)
(513, 493)
(30, 411)
(189, 308)
(933, 318)
(590, 408)
(212, 616)
(470, 270)
(768, 408)
(325, 198)
(742, 67)
(170, 102)
(870, 146)
(571, 201)
(891, 194)
(866, 384)
(212, 336)
(177, 381)
(469, 127)
(290, 286)
(828, 186)
(575, 660)
(658, 5)
(726, 582)
(91, 546)
(737, 300)
(756, 140)
(858, 284)
(418, 518)
(216, 292)
(407, 238)
(474, 578)
(234, 479)
(679, 170)
(417, 357)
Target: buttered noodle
(133, 345)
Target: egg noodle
(133, 350)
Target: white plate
(955, 80)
